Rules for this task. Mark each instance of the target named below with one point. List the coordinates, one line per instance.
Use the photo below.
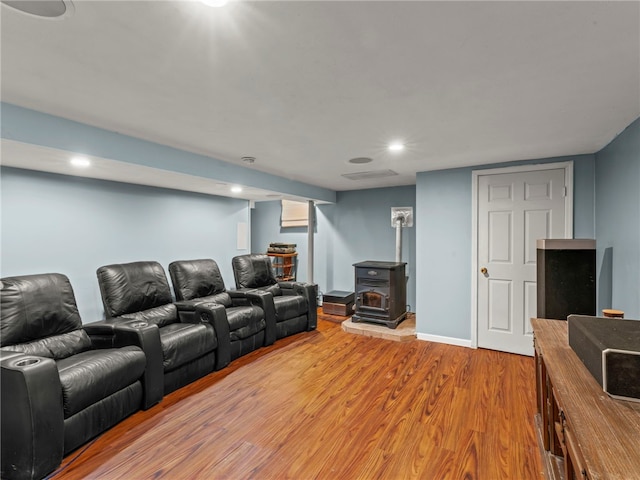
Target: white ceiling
(304, 86)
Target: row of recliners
(64, 382)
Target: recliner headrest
(133, 287)
(196, 278)
(36, 306)
(253, 271)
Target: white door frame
(568, 227)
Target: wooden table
(284, 265)
(583, 432)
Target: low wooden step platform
(405, 331)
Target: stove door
(373, 300)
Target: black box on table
(338, 302)
(610, 349)
(565, 277)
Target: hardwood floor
(333, 405)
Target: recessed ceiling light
(49, 9)
(80, 162)
(249, 159)
(236, 189)
(396, 147)
(360, 160)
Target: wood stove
(381, 293)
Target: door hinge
(564, 191)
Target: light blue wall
(72, 225)
(618, 222)
(356, 228)
(32, 127)
(443, 259)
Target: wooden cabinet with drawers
(583, 433)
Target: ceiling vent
(369, 175)
(49, 9)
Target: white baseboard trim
(449, 340)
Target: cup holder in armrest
(25, 362)
(139, 324)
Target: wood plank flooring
(332, 405)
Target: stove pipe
(399, 223)
(400, 217)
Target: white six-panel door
(513, 211)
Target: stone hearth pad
(405, 332)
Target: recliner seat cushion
(219, 298)
(90, 376)
(289, 306)
(245, 322)
(161, 316)
(274, 290)
(183, 342)
(56, 347)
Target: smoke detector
(47, 9)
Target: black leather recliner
(197, 281)
(58, 389)
(192, 346)
(295, 303)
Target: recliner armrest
(216, 315)
(261, 299)
(241, 292)
(32, 436)
(310, 292)
(187, 305)
(239, 297)
(187, 310)
(116, 333)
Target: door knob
(483, 270)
